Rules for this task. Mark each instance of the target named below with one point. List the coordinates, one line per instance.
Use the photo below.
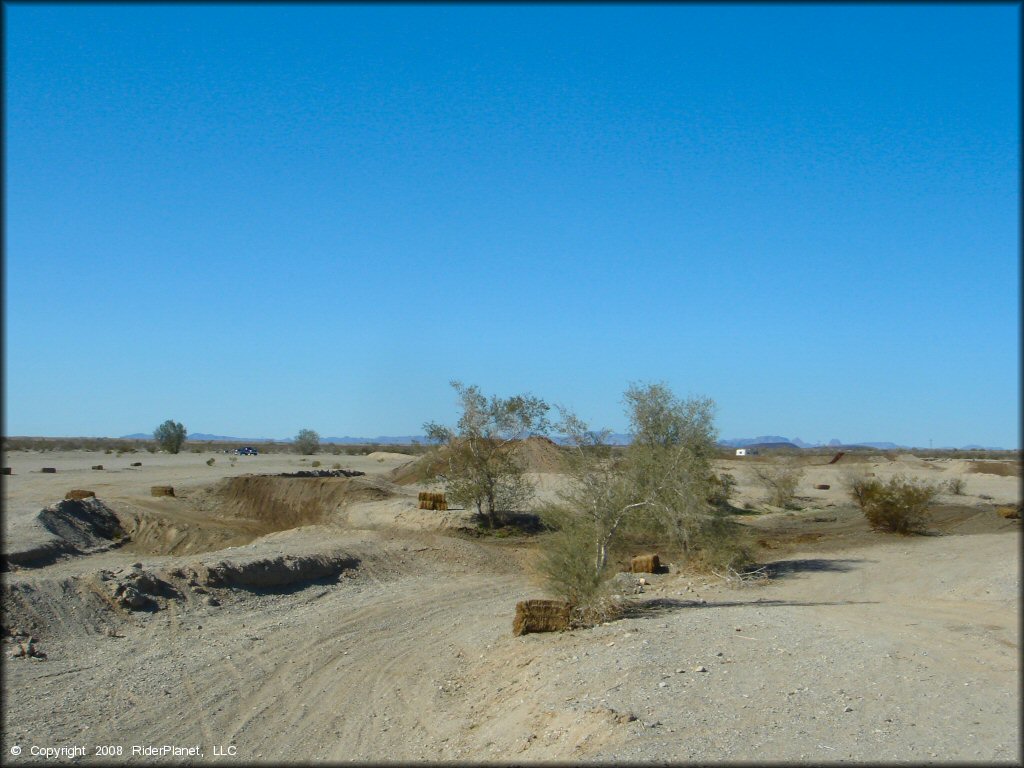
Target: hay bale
(7, 471)
(97, 466)
(432, 500)
(1009, 511)
(79, 495)
(540, 616)
(822, 486)
(644, 564)
(48, 470)
(161, 490)
(136, 463)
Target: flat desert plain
(253, 617)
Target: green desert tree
(307, 442)
(586, 522)
(660, 491)
(170, 436)
(482, 467)
(669, 461)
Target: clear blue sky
(256, 219)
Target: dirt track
(862, 647)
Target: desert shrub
(315, 464)
(653, 494)
(779, 481)
(899, 505)
(956, 486)
(170, 436)
(109, 451)
(722, 543)
(307, 442)
(209, 462)
(721, 488)
(336, 465)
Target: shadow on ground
(663, 605)
(781, 568)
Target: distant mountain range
(613, 439)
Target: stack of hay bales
(540, 616)
(161, 490)
(78, 495)
(431, 500)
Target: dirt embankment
(287, 502)
(237, 510)
(535, 454)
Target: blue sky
(257, 219)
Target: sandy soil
(861, 646)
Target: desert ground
(253, 617)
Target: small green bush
(899, 505)
(721, 488)
(779, 481)
(315, 464)
(956, 486)
(209, 462)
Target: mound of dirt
(537, 454)
(79, 527)
(323, 473)
(389, 455)
(1001, 468)
(255, 571)
(288, 502)
(86, 524)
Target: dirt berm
(288, 502)
(79, 526)
(256, 571)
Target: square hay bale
(7, 471)
(48, 470)
(645, 564)
(161, 490)
(1009, 511)
(432, 500)
(540, 616)
(77, 495)
(97, 466)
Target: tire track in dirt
(358, 687)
